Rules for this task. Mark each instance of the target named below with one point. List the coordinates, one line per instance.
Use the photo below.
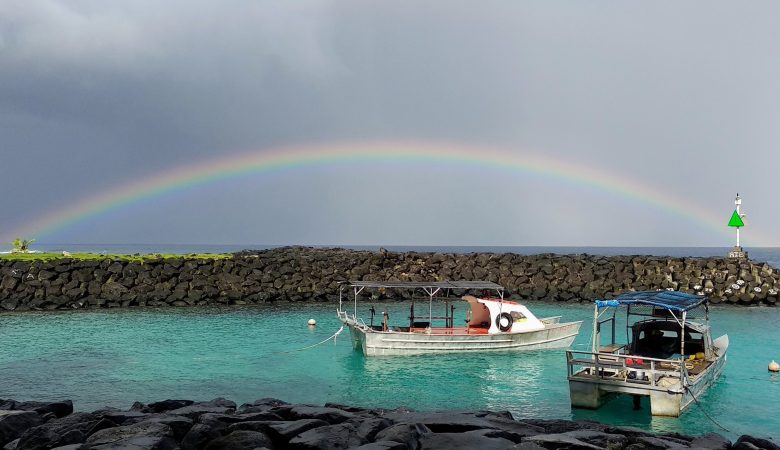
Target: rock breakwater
(274, 424)
(301, 274)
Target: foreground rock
(273, 424)
(301, 274)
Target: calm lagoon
(115, 357)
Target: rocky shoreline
(309, 274)
(274, 424)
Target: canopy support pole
(431, 292)
(357, 292)
(682, 335)
(596, 337)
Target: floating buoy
(312, 322)
(774, 367)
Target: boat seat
(611, 348)
(421, 324)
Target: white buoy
(774, 367)
(312, 322)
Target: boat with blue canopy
(668, 353)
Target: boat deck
(632, 369)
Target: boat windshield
(663, 339)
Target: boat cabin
(665, 339)
(494, 316)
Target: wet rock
(59, 409)
(367, 429)
(71, 429)
(662, 442)
(195, 410)
(288, 430)
(199, 435)
(330, 415)
(14, 423)
(257, 416)
(599, 438)
(382, 445)
(142, 435)
(102, 424)
(240, 440)
(330, 437)
(120, 417)
(347, 408)
(167, 405)
(457, 422)
(180, 425)
(554, 441)
(528, 445)
(750, 443)
(711, 441)
(266, 402)
(476, 439)
(407, 433)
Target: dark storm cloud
(681, 96)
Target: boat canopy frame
(677, 304)
(431, 288)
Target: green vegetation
(18, 256)
(22, 245)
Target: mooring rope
(318, 343)
(695, 400)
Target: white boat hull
(378, 343)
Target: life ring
(508, 325)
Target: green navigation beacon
(737, 222)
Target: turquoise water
(100, 358)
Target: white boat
(668, 354)
(492, 323)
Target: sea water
(115, 357)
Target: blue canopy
(672, 300)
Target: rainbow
(289, 158)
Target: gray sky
(679, 96)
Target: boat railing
(629, 369)
(346, 317)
